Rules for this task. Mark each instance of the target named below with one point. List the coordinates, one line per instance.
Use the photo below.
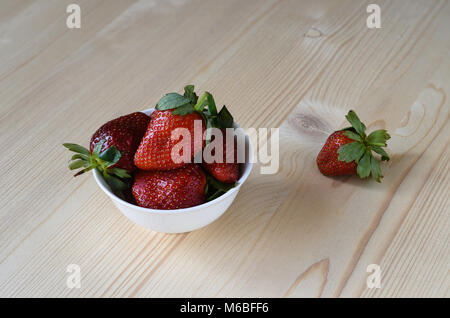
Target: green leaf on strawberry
(101, 160)
(115, 183)
(205, 105)
(375, 169)
(77, 164)
(356, 123)
(212, 109)
(378, 138)
(214, 188)
(110, 156)
(172, 101)
(224, 118)
(352, 135)
(121, 173)
(380, 151)
(364, 165)
(351, 152)
(183, 110)
(190, 94)
(77, 148)
(360, 151)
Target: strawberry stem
(201, 102)
(360, 151)
(101, 160)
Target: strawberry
(349, 151)
(327, 160)
(178, 111)
(171, 189)
(112, 148)
(124, 133)
(227, 170)
(155, 149)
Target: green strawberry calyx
(189, 102)
(100, 160)
(215, 188)
(360, 151)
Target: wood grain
(297, 65)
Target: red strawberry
(349, 151)
(112, 148)
(155, 149)
(169, 190)
(124, 133)
(178, 111)
(327, 160)
(228, 170)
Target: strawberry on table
(171, 189)
(112, 149)
(349, 151)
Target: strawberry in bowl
(150, 187)
(112, 149)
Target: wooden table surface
(297, 65)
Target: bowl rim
(248, 168)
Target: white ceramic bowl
(181, 220)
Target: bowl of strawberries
(174, 168)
